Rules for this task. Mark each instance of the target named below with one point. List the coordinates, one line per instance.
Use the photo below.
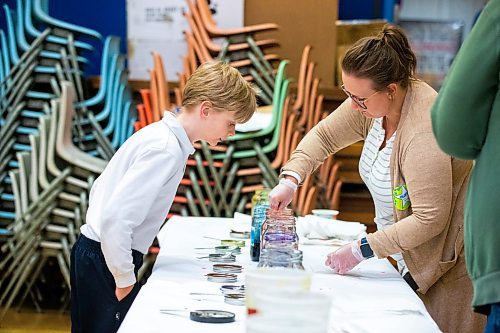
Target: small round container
(212, 316)
(227, 248)
(232, 289)
(221, 257)
(222, 277)
(239, 234)
(326, 213)
(234, 299)
(227, 268)
(233, 242)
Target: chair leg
(30, 283)
(192, 206)
(198, 194)
(16, 282)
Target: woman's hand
(282, 194)
(345, 259)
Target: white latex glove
(345, 259)
(282, 194)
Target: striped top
(374, 169)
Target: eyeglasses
(358, 100)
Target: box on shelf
(435, 44)
(348, 32)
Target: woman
(418, 190)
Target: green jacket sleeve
(462, 110)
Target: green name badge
(400, 197)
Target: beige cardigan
(429, 227)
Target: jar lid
(239, 234)
(212, 316)
(227, 248)
(221, 257)
(221, 277)
(234, 299)
(227, 268)
(233, 242)
(232, 289)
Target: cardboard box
(435, 44)
(301, 23)
(158, 25)
(348, 32)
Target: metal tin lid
(239, 234)
(221, 257)
(227, 268)
(234, 299)
(212, 316)
(233, 242)
(232, 289)
(221, 277)
(227, 248)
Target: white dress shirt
(374, 169)
(131, 198)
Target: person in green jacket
(466, 123)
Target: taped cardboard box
(301, 22)
(348, 32)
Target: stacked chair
(239, 47)
(221, 180)
(308, 108)
(212, 181)
(54, 141)
(156, 99)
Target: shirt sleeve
(462, 110)
(127, 208)
(292, 174)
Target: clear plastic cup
(294, 306)
(272, 324)
(266, 280)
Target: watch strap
(366, 250)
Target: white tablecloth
(372, 298)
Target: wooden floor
(29, 321)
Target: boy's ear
(205, 109)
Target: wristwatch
(365, 248)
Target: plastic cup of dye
(278, 279)
(294, 305)
(273, 324)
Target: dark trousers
(94, 307)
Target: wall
(301, 23)
(464, 10)
(107, 17)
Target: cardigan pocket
(445, 266)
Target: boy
(131, 198)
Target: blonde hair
(222, 86)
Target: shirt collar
(175, 126)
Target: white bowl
(326, 213)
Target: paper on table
(314, 241)
(315, 227)
(392, 322)
(241, 222)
